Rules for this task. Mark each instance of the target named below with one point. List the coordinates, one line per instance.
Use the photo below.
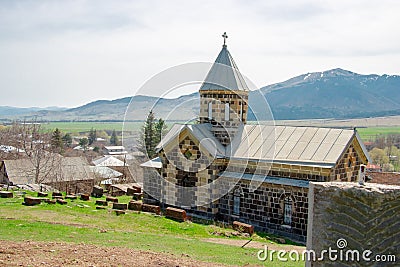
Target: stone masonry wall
(264, 208)
(218, 98)
(349, 165)
(347, 217)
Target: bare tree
(35, 143)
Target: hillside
(334, 93)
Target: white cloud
(67, 53)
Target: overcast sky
(68, 53)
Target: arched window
(209, 110)
(287, 213)
(226, 111)
(236, 201)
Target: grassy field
(366, 133)
(76, 127)
(371, 133)
(80, 222)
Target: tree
(83, 142)
(379, 156)
(67, 139)
(92, 136)
(56, 141)
(151, 134)
(114, 138)
(36, 144)
(160, 130)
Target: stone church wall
(264, 208)
(348, 166)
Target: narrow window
(287, 218)
(236, 202)
(227, 111)
(241, 111)
(209, 110)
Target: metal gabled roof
(305, 145)
(202, 132)
(224, 74)
(308, 146)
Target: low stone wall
(350, 220)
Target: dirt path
(54, 254)
(254, 244)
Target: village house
(116, 164)
(114, 150)
(226, 170)
(70, 174)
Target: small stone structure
(132, 190)
(51, 201)
(151, 208)
(137, 196)
(135, 205)
(243, 227)
(56, 194)
(97, 191)
(176, 214)
(120, 206)
(101, 202)
(61, 201)
(31, 201)
(112, 199)
(347, 217)
(43, 194)
(6, 194)
(85, 197)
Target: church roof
(201, 132)
(292, 145)
(224, 74)
(311, 146)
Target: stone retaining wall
(349, 217)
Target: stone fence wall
(348, 220)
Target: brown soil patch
(31, 253)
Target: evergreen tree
(151, 134)
(92, 136)
(56, 141)
(67, 139)
(83, 142)
(114, 138)
(160, 130)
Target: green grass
(76, 127)
(80, 222)
(371, 133)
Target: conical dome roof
(224, 74)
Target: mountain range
(335, 93)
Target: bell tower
(224, 97)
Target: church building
(227, 169)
